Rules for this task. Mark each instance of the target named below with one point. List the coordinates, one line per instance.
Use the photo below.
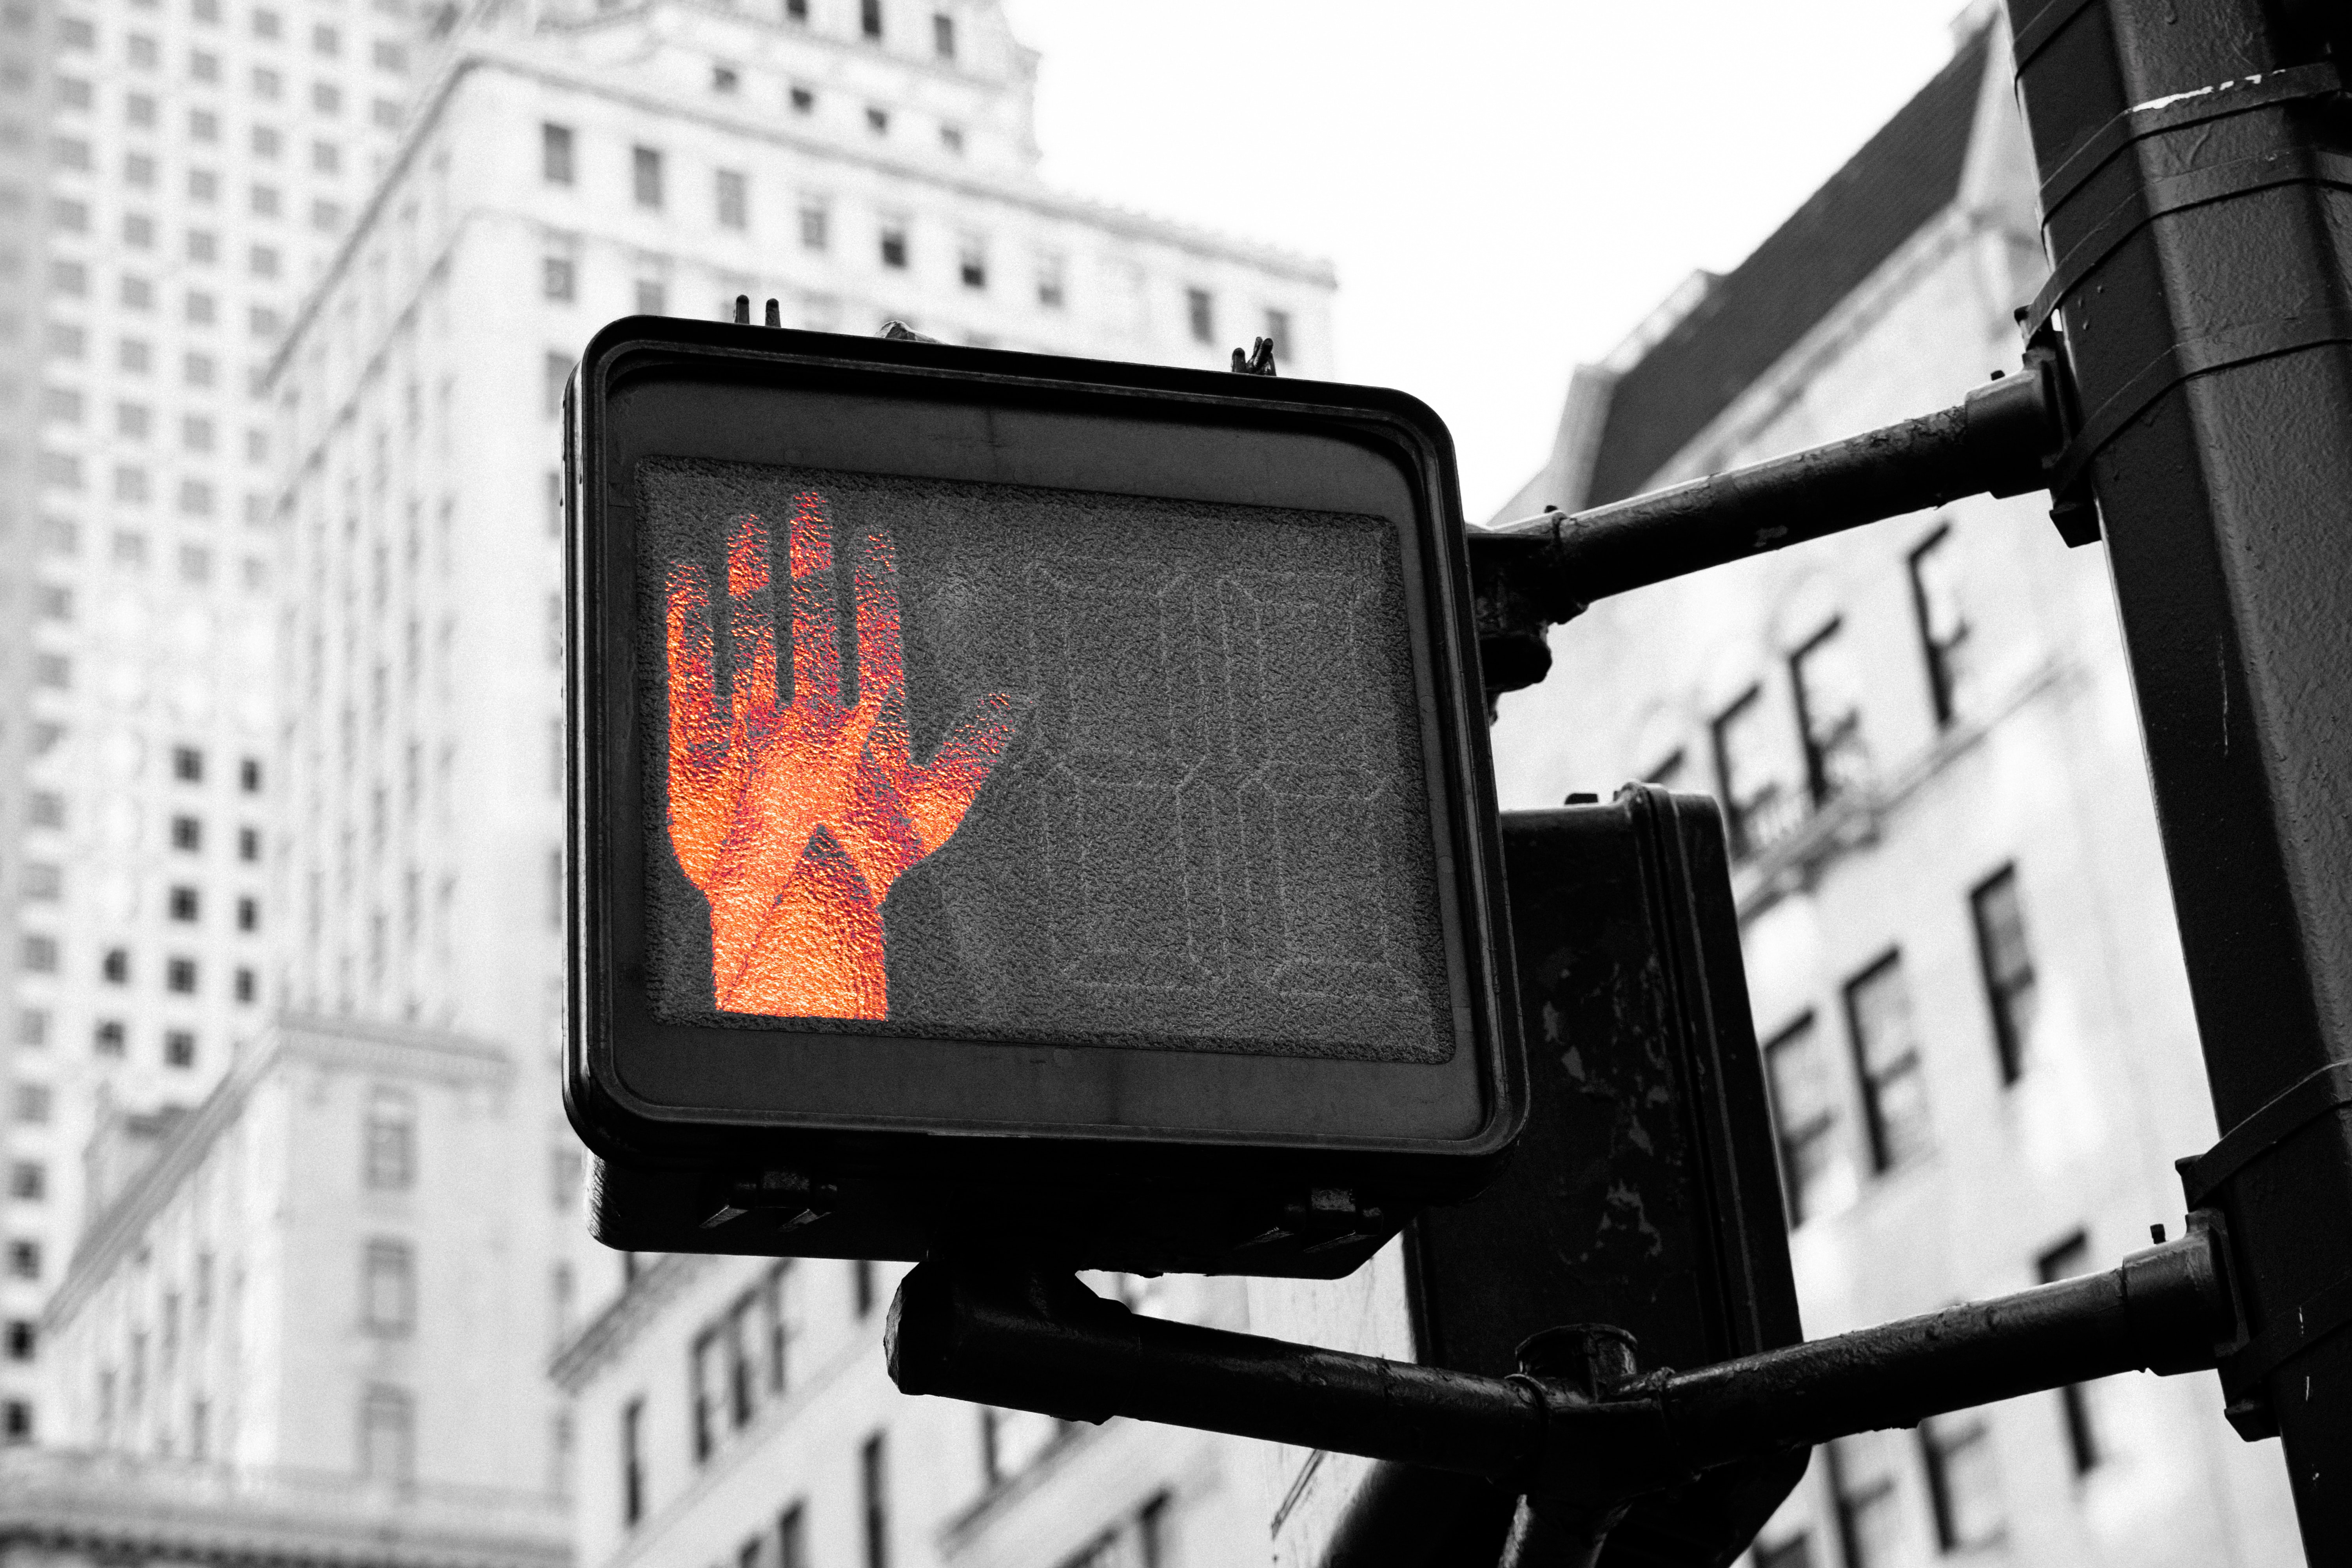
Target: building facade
(293, 1309)
(1959, 944)
(177, 174)
(736, 1413)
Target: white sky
(1506, 187)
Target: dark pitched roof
(1902, 177)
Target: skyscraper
(178, 173)
(559, 169)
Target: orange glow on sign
(795, 819)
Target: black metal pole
(2196, 164)
(1033, 1341)
(1543, 570)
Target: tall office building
(1959, 944)
(559, 169)
(177, 174)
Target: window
(389, 1134)
(734, 199)
(804, 100)
(1828, 715)
(653, 300)
(17, 1421)
(951, 139)
(28, 1181)
(1012, 1440)
(388, 1287)
(2070, 1258)
(248, 772)
(179, 1048)
(1199, 312)
(324, 40)
(187, 764)
(1051, 269)
(21, 1339)
(41, 953)
(777, 1321)
(971, 264)
(1943, 624)
(183, 903)
(1755, 810)
(44, 883)
(1814, 1174)
(555, 154)
(1886, 1057)
(114, 966)
(894, 244)
(632, 1462)
(877, 119)
(387, 1435)
(24, 1260)
(743, 1377)
(1869, 1515)
(792, 1537)
(861, 1285)
(557, 279)
(646, 176)
(943, 38)
(110, 1037)
(815, 229)
(180, 976)
(874, 1480)
(564, 1173)
(1963, 1485)
(248, 844)
(725, 78)
(2006, 964)
(33, 1103)
(701, 1372)
(32, 1027)
(1277, 331)
(247, 986)
(869, 19)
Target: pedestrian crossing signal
(1022, 802)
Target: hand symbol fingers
(816, 641)
(751, 623)
(698, 809)
(944, 789)
(881, 660)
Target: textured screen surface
(1039, 766)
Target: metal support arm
(2003, 439)
(1579, 1431)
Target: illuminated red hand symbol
(795, 818)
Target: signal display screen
(939, 757)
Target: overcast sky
(1506, 187)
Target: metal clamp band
(2304, 1103)
(2035, 36)
(2173, 193)
(2183, 361)
(2220, 101)
(2294, 1332)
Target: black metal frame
(837, 1143)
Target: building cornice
(348, 1045)
(114, 1508)
(499, 54)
